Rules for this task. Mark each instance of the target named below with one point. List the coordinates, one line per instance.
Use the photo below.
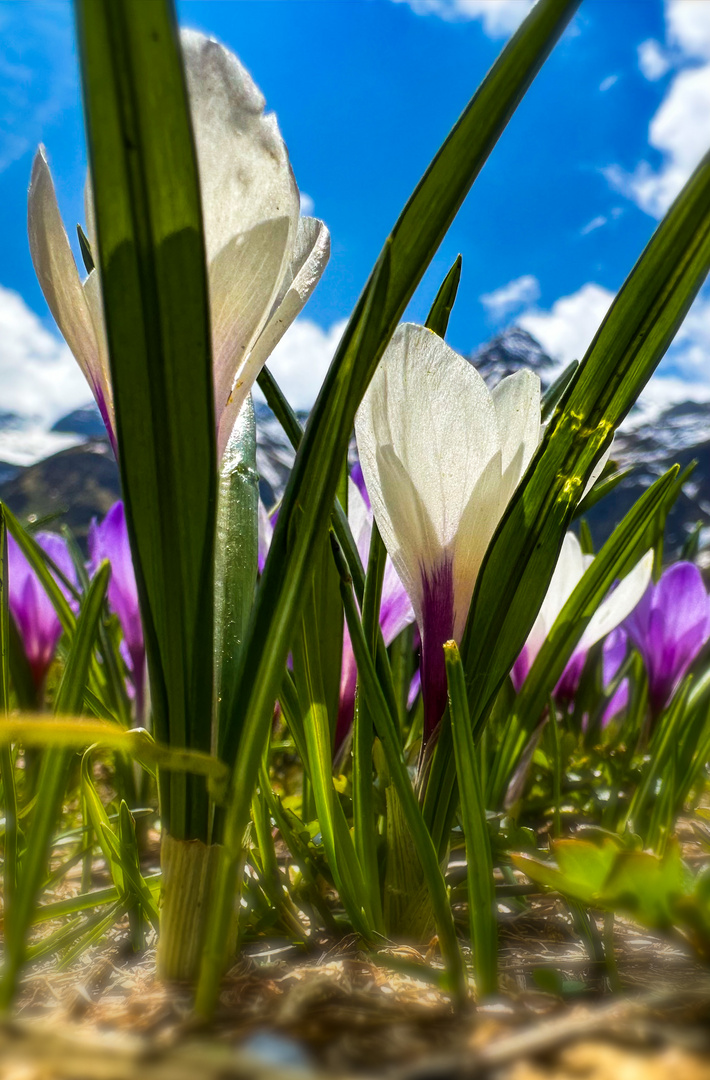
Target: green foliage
(156, 308)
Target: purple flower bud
(109, 540)
(669, 628)
(37, 621)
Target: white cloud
(596, 223)
(566, 330)
(301, 359)
(653, 60)
(39, 377)
(307, 205)
(511, 297)
(606, 84)
(680, 129)
(499, 17)
(688, 27)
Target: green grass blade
(479, 860)
(338, 843)
(155, 298)
(236, 560)
(51, 782)
(438, 318)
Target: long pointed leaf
(155, 298)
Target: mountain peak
(509, 351)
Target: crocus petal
(307, 265)
(358, 479)
(265, 533)
(426, 429)
(31, 608)
(669, 627)
(619, 604)
(109, 540)
(245, 175)
(570, 567)
(244, 279)
(597, 471)
(517, 402)
(59, 280)
(613, 655)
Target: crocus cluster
(264, 260)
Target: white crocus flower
(441, 456)
(263, 259)
(618, 605)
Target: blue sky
(365, 91)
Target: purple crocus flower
(37, 621)
(669, 628)
(395, 609)
(109, 540)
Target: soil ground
(339, 1012)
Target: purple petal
(109, 540)
(396, 610)
(414, 687)
(348, 684)
(437, 628)
(521, 668)
(614, 653)
(669, 628)
(357, 478)
(32, 610)
(569, 680)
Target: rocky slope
(82, 481)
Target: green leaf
(632, 339)
(236, 559)
(155, 298)
(50, 784)
(311, 490)
(438, 318)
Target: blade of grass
(51, 783)
(156, 308)
(440, 313)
